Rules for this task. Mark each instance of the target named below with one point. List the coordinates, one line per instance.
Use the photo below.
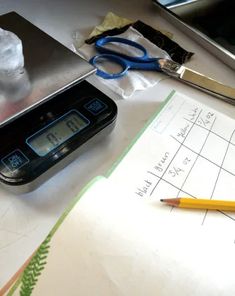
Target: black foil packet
(175, 51)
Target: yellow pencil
(207, 204)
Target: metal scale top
(50, 66)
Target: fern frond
(34, 269)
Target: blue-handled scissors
(145, 62)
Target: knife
(198, 80)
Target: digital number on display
(59, 131)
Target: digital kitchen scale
(60, 117)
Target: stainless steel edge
(223, 54)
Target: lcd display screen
(56, 133)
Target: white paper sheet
(111, 244)
(187, 151)
(120, 240)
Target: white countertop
(26, 219)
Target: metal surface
(174, 3)
(49, 68)
(183, 16)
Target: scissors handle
(116, 59)
(125, 65)
(140, 62)
(100, 43)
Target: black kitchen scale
(60, 117)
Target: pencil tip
(162, 200)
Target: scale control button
(15, 160)
(95, 106)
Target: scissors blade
(198, 80)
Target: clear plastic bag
(11, 53)
(14, 81)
